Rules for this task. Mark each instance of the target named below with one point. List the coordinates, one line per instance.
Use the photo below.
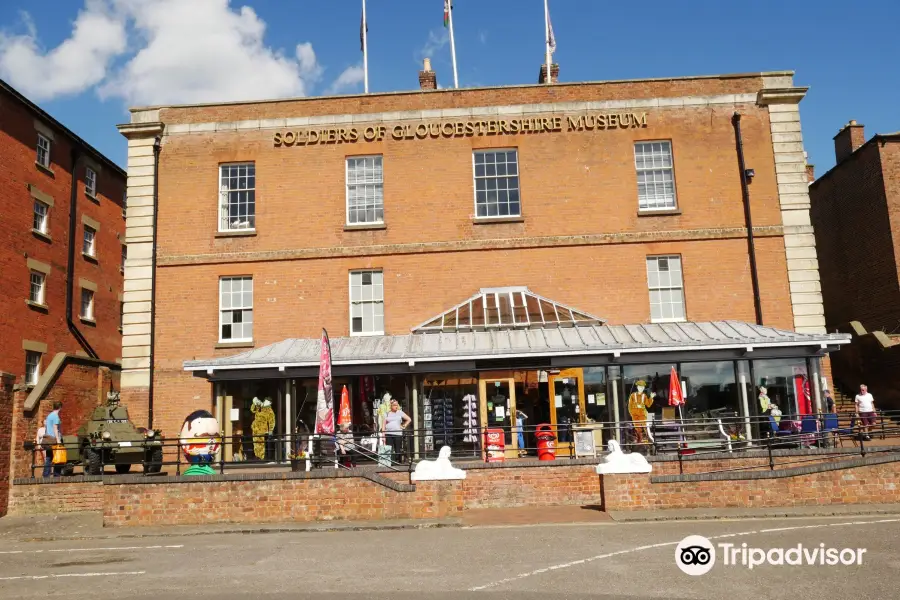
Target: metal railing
(725, 436)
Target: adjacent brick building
(62, 248)
(856, 215)
(386, 218)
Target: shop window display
(786, 383)
(449, 412)
(710, 389)
(646, 393)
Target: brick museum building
(62, 250)
(476, 252)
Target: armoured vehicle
(110, 438)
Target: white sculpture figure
(619, 462)
(440, 469)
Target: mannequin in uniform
(638, 403)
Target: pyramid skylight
(506, 308)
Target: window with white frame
(40, 216)
(497, 183)
(366, 302)
(32, 367)
(237, 197)
(236, 309)
(43, 151)
(666, 288)
(87, 304)
(90, 182)
(655, 175)
(89, 246)
(365, 190)
(36, 292)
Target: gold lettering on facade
(458, 129)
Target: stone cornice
(791, 95)
(596, 239)
(140, 130)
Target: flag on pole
(676, 398)
(325, 396)
(551, 39)
(363, 30)
(446, 13)
(344, 417)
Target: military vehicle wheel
(122, 469)
(154, 465)
(67, 470)
(92, 464)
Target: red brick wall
(853, 222)
(80, 387)
(863, 485)
(6, 428)
(55, 498)
(18, 140)
(530, 486)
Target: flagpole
(453, 45)
(547, 40)
(365, 43)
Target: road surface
(606, 560)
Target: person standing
(865, 410)
(520, 429)
(52, 436)
(829, 402)
(395, 421)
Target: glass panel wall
(785, 382)
(710, 389)
(646, 393)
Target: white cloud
(79, 62)
(203, 51)
(165, 51)
(483, 36)
(435, 42)
(350, 78)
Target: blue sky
(85, 61)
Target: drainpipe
(70, 263)
(745, 192)
(156, 149)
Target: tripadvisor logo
(696, 555)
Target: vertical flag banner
(344, 417)
(363, 46)
(325, 396)
(676, 398)
(448, 23)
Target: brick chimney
(848, 139)
(810, 173)
(427, 77)
(554, 74)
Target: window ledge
(37, 306)
(492, 220)
(46, 170)
(40, 234)
(88, 321)
(90, 257)
(92, 197)
(236, 233)
(249, 344)
(664, 321)
(365, 226)
(659, 213)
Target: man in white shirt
(865, 410)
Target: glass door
(566, 403)
(498, 408)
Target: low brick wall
(315, 497)
(64, 496)
(870, 481)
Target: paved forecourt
(634, 560)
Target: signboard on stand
(584, 441)
(494, 445)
